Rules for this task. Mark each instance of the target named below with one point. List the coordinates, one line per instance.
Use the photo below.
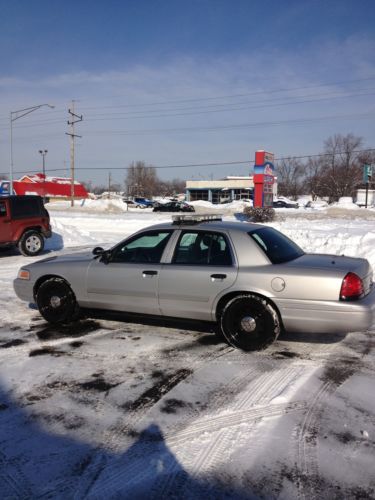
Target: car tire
(249, 322)
(56, 301)
(31, 243)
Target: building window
(240, 194)
(198, 194)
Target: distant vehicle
(284, 204)
(144, 202)
(248, 278)
(132, 204)
(174, 206)
(24, 223)
(316, 204)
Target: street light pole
(43, 152)
(16, 115)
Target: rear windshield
(278, 247)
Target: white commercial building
(218, 191)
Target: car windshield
(278, 247)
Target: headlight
(23, 274)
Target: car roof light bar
(195, 218)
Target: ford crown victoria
(249, 278)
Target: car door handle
(149, 274)
(218, 277)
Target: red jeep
(24, 222)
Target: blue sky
(183, 82)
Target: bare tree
(341, 171)
(313, 171)
(99, 189)
(290, 174)
(141, 179)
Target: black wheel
(31, 243)
(56, 301)
(250, 323)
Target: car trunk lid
(359, 266)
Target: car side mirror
(98, 251)
(103, 255)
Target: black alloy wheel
(250, 323)
(56, 301)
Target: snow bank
(114, 205)
(346, 202)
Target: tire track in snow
(221, 430)
(307, 460)
(13, 482)
(306, 435)
(232, 419)
(94, 486)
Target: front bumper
(24, 290)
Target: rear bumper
(326, 316)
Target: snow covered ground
(119, 408)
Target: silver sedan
(249, 278)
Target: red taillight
(351, 288)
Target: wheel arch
(47, 277)
(231, 295)
(23, 231)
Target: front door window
(147, 247)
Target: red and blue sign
(263, 178)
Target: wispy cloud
(188, 78)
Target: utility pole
(109, 185)
(43, 152)
(72, 135)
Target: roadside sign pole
(367, 175)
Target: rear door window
(202, 248)
(278, 247)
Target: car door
(203, 266)
(6, 231)
(128, 279)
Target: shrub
(259, 214)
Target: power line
(140, 132)
(217, 164)
(231, 96)
(230, 127)
(132, 115)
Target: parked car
(24, 223)
(144, 202)
(318, 204)
(132, 204)
(285, 204)
(249, 278)
(174, 206)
